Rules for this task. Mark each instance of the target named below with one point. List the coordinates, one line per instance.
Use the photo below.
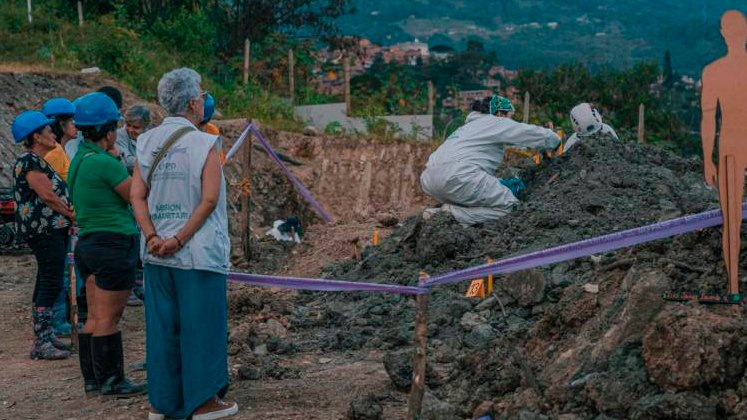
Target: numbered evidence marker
(724, 87)
(476, 289)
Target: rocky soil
(589, 338)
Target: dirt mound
(583, 338)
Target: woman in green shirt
(107, 251)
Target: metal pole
(246, 60)
(28, 4)
(291, 79)
(526, 107)
(80, 13)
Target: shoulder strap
(170, 142)
(74, 173)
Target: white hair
(176, 88)
(138, 113)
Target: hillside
(602, 33)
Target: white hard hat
(585, 119)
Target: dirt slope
(20, 91)
(560, 348)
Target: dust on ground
(302, 384)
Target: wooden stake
(291, 77)
(346, 71)
(415, 401)
(641, 123)
(490, 277)
(526, 107)
(80, 13)
(431, 97)
(247, 44)
(375, 240)
(246, 196)
(72, 295)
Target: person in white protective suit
(587, 123)
(461, 173)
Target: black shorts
(111, 257)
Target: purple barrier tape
(237, 144)
(299, 186)
(587, 247)
(323, 285)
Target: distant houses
(494, 81)
(442, 52)
(363, 53)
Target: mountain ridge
(603, 34)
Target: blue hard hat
(58, 106)
(95, 109)
(209, 108)
(28, 122)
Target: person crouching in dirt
(461, 173)
(44, 216)
(179, 199)
(108, 245)
(588, 126)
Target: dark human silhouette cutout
(725, 90)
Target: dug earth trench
(587, 338)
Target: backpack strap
(170, 142)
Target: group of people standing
(132, 193)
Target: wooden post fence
(346, 71)
(415, 400)
(80, 13)
(642, 123)
(526, 107)
(291, 78)
(431, 98)
(247, 44)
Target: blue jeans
(186, 332)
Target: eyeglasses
(203, 94)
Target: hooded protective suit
(461, 173)
(606, 130)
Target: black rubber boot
(86, 365)
(108, 365)
(82, 309)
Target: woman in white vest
(179, 198)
